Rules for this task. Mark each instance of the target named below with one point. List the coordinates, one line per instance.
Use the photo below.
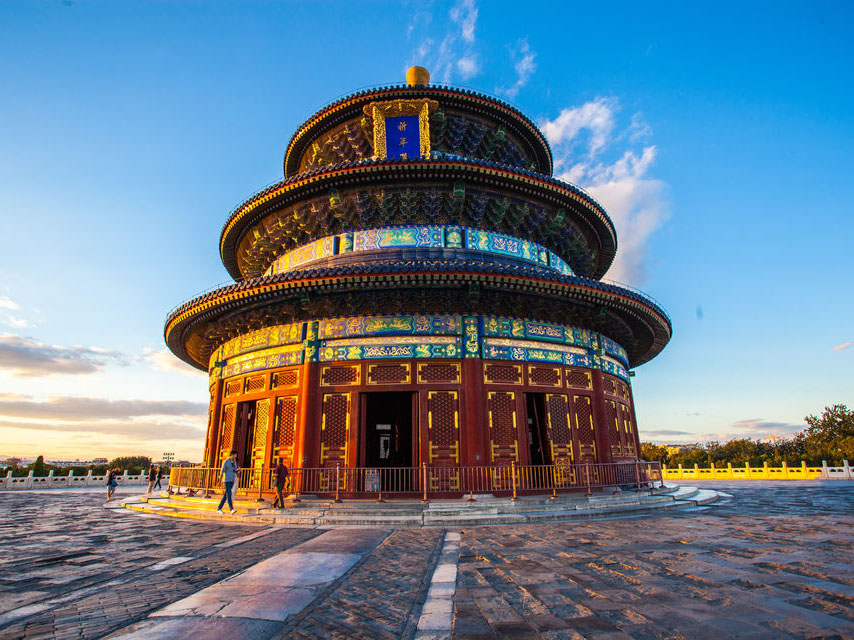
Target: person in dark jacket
(111, 482)
(152, 477)
(159, 477)
(281, 472)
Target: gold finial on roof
(417, 76)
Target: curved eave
(373, 172)
(285, 287)
(351, 106)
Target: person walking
(229, 475)
(112, 483)
(159, 477)
(152, 477)
(281, 472)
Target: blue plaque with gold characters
(401, 128)
(402, 137)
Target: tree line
(134, 465)
(828, 437)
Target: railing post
(424, 481)
(296, 484)
(587, 474)
(208, 482)
(337, 482)
(513, 478)
(637, 476)
(261, 485)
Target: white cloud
(464, 14)
(468, 67)
(165, 360)
(7, 303)
(524, 66)
(455, 56)
(587, 142)
(843, 346)
(595, 117)
(24, 357)
(17, 323)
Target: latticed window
(388, 374)
(332, 376)
(439, 373)
(502, 374)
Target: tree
(132, 464)
(829, 436)
(39, 468)
(653, 452)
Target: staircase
(485, 510)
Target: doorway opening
(538, 438)
(387, 442)
(244, 440)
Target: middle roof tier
(562, 218)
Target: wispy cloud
(525, 66)
(24, 357)
(455, 56)
(89, 410)
(165, 360)
(590, 150)
(101, 425)
(7, 303)
(843, 346)
(654, 433)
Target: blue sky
(718, 136)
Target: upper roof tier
(464, 123)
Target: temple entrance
(244, 433)
(538, 437)
(387, 441)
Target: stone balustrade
(765, 472)
(52, 481)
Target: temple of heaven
(419, 293)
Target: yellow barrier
(803, 472)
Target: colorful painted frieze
(421, 236)
(560, 265)
(260, 339)
(336, 350)
(389, 325)
(267, 359)
(613, 349)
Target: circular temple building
(420, 299)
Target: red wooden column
(215, 425)
(634, 420)
(474, 437)
(600, 424)
(307, 438)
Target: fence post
(680, 470)
(637, 476)
(729, 470)
(424, 481)
(847, 468)
(298, 485)
(785, 470)
(767, 474)
(337, 482)
(30, 479)
(50, 478)
(261, 484)
(513, 478)
(587, 474)
(9, 478)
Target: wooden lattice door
(443, 439)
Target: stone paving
(772, 562)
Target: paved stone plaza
(772, 562)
